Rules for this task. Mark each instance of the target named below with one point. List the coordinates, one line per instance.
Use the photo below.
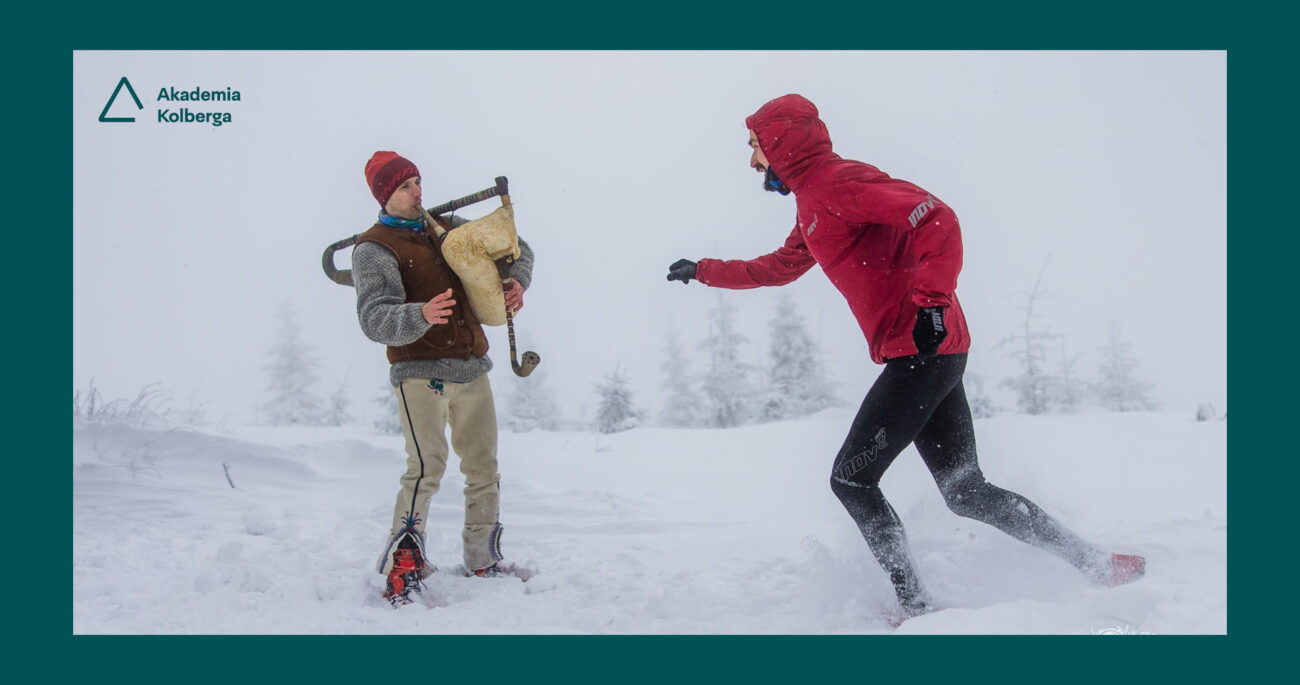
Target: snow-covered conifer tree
(336, 409)
(532, 405)
(617, 411)
(1117, 388)
(796, 384)
(389, 421)
(726, 384)
(683, 406)
(291, 376)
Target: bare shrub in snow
(147, 409)
(981, 405)
(1029, 348)
(1066, 391)
(140, 458)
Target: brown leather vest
(424, 275)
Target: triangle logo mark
(103, 116)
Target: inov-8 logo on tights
(859, 461)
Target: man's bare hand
(514, 296)
(438, 309)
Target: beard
(773, 183)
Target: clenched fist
(682, 270)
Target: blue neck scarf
(389, 220)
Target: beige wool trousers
(426, 413)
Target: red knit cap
(385, 171)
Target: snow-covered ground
(646, 531)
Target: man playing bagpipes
(410, 299)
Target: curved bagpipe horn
(502, 190)
(531, 359)
(340, 276)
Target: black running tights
(924, 402)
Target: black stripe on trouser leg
(415, 490)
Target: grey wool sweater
(386, 317)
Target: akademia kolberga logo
(180, 115)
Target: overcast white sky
(1109, 167)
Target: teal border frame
(1260, 131)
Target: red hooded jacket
(887, 245)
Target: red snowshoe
(404, 578)
(1124, 568)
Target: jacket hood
(792, 136)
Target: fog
(1107, 172)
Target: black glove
(682, 270)
(929, 331)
